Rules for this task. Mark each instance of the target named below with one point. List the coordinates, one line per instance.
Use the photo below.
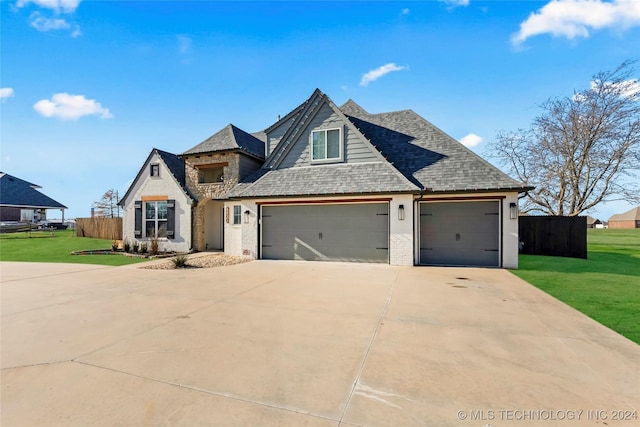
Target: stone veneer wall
(207, 192)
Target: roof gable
(230, 138)
(174, 164)
(17, 192)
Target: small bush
(143, 248)
(126, 245)
(179, 261)
(154, 246)
(135, 247)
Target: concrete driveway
(303, 344)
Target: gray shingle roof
(230, 138)
(427, 156)
(175, 165)
(17, 192)
(343, 179)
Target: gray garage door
(326, 232)
(460, 233)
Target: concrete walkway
(276, 343)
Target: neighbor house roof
(16, 192)
(632, 215)
(230, 138)
(175, 165)
(426, 155)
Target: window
(326, 145)
(155, 214)
(210, 175)
(155, 169)
(237, 214)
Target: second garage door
(460, 233)
(356, 232)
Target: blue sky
(90, 87)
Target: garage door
(460, 233)
(326, 232)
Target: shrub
(143, 248)
(135, 247)
(126, 245)
(153, 247)
(114, 246)
(179, 261)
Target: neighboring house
(593, 222)
(20, 201)
(629, 219)
(340, 184)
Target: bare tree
(582, 150)
(107, 206)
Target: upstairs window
(210, 175)
(326, 145)
(155, 169)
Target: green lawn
(41, 246)
(605, 287)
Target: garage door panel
(327, 232)
(460, 233)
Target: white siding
(165, 185)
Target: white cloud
(471, 140)
(76, 32)
(184, 44)
(41, 23)
(66, 6)
(455, 3)
(627, 88)
(6, 93)
(70, 107)
(405, 11)
(574, 18)
(374, 75)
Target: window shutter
(137, 229)
(171, 219)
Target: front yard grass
(42, 246)
(605, 287)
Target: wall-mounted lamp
(226, 214)
(513, 211)
(246, 216)
(401, 212)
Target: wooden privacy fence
(99, 228)
(553, 235)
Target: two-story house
(331, 183)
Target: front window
(210, 175)
(326, 145)
(155, 219)
(237, 214)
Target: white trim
(338, 159)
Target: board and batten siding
(275, 135)
(355, 148)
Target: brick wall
(629, 223)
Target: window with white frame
(326, 145)
(237, 214)
(155, 214)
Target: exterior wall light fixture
(247, 214)
(401, 212)
(513, 211)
